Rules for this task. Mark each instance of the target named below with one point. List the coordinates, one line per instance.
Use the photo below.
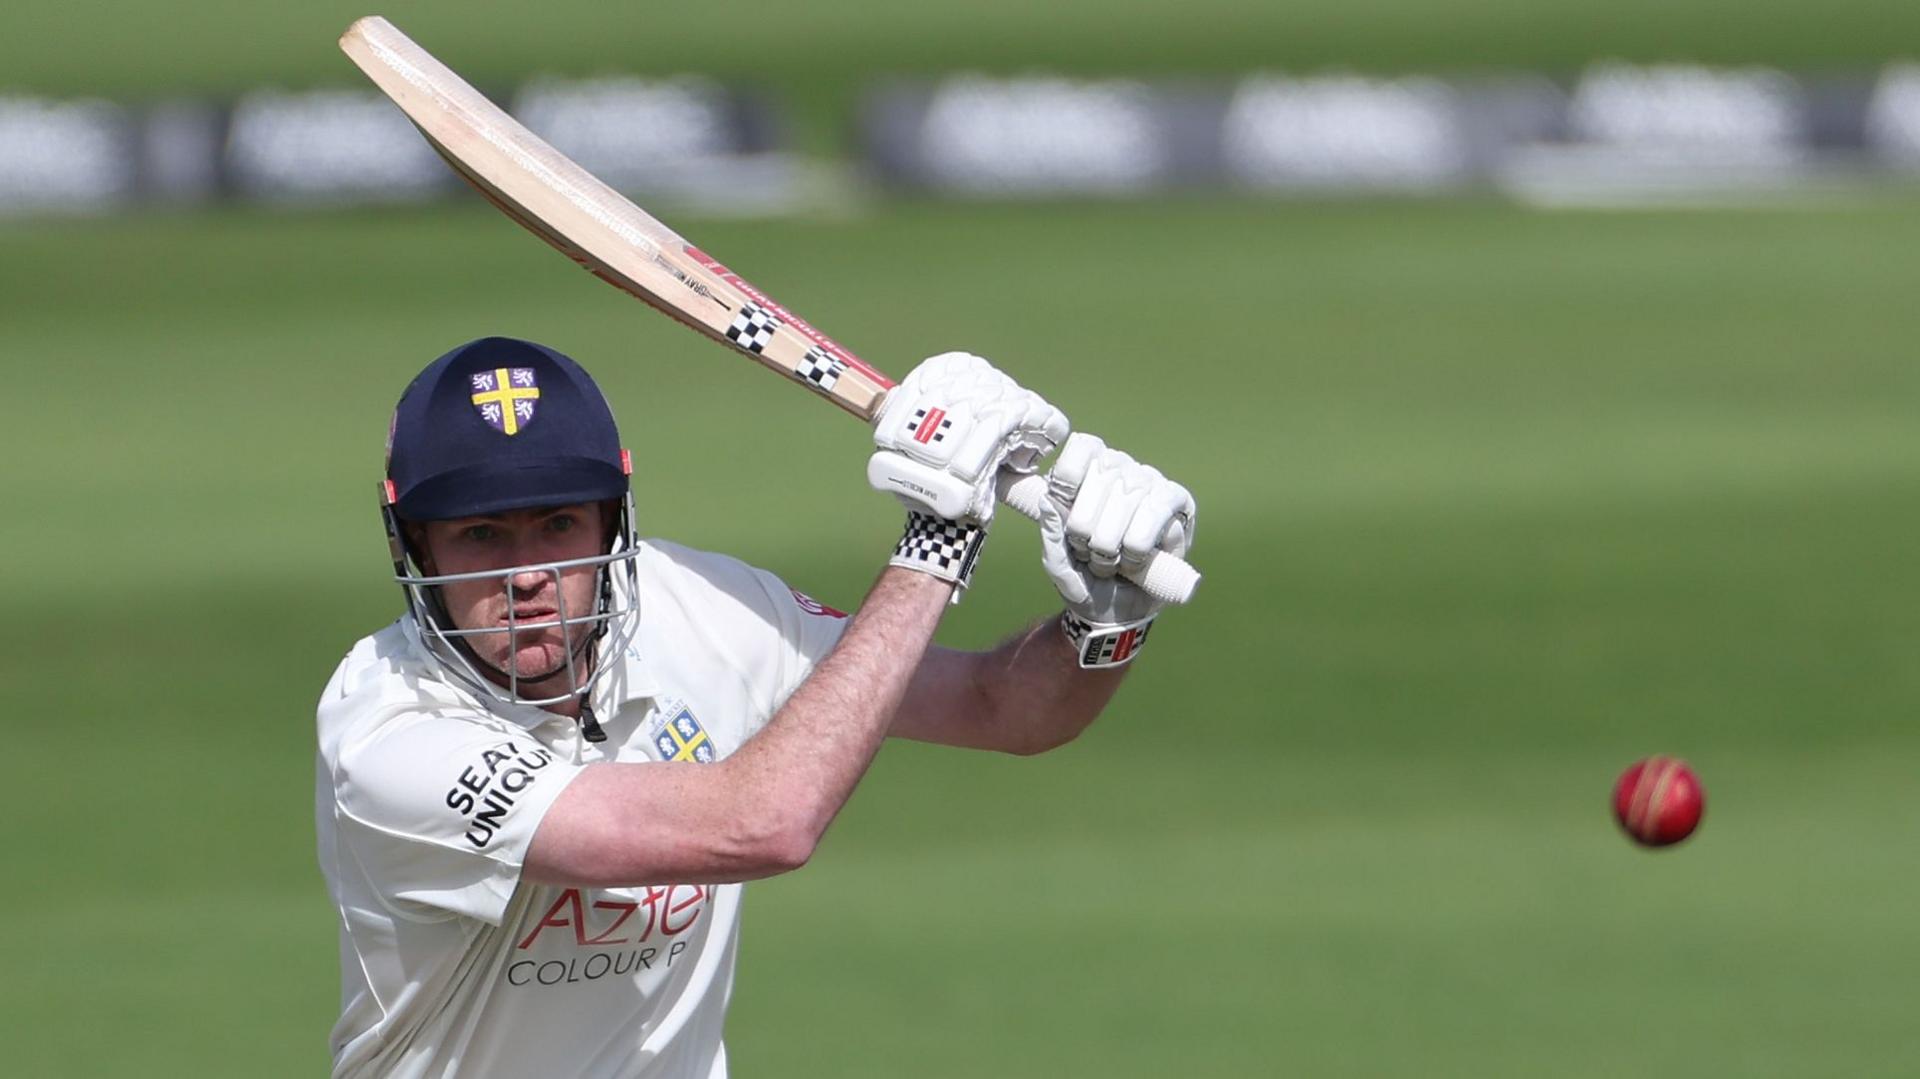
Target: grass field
(1493, 503)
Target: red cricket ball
(1659, 801)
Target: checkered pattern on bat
(820, 368)
(946, 549)
(753, 327)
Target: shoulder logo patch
(680, 737)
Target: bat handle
(1166, 577)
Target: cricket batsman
(539, 790)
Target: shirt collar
(630, 679)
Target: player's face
(520, 538)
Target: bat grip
(1166, 577)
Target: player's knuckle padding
(985, 442)
(1150, 522)
(1085, 511)
(1111, 526)
(1070, 471)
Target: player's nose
(530, 583)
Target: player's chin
(531, 657)
(541, 661)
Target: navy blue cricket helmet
(493, 426)
(501, 424)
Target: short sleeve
(711, 606)
(810, 628)
(438, 811)
(805, 630)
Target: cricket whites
(602, 230)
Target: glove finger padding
(1163, 521)
(1041, 429)
(1084, 513)
(1055, 557)
(1110, 511)
(1069, 470)
(986, 441)
(1124, 492)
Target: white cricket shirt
(427, 797)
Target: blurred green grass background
(1494, 502)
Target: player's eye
(561, 522)
(478, 533)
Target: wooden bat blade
(599, 228)
(596, 226)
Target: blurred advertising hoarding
(66, 155)
(975, 135)
(352, 147)
(1893, 116)
(1615, 133)
(327, 145)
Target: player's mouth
(523, 615)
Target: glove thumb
(1055, 558)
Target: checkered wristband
(946, 549)
(1101, 645)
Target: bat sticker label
(696, 287)
(826, 343)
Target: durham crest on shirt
(680, 737)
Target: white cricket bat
(622, 244)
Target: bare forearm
(803, 766)
(1039, 692)
(761, 810)
(1027, 695)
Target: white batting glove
(941, 439)
(1108, 512)
(949, 427)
